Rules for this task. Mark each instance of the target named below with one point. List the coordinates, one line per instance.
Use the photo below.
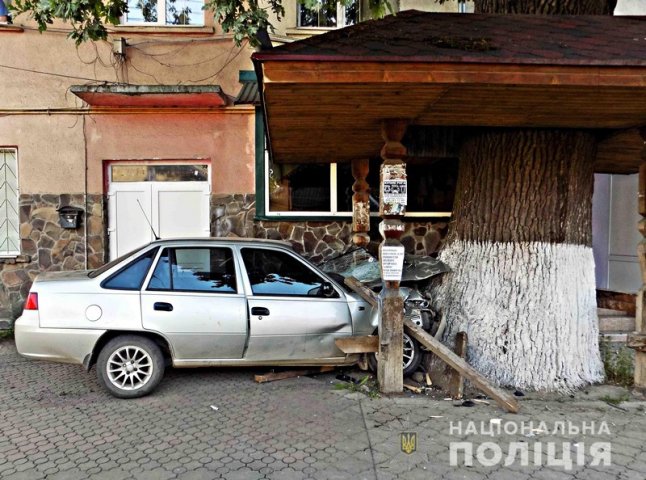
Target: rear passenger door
(194, 298)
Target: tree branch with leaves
(245, 19)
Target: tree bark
(522, 285)
(526, 186)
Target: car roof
(231, 240)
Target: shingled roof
(412, 36)
(326, 97)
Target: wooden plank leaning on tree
(506, 401)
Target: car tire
(130, 366)
(412, 356)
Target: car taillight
(32, 301)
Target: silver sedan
(191, 303)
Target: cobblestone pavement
(57, 423)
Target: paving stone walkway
(57, 423)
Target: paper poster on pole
(394, 189)
(392, 263)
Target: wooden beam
(392, 207)
(366, 344)
(502, 398)
(456, 383)
(274, 376)
(363, 291)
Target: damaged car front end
(417, 276)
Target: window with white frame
(165, 12)
(9, 218)
(321, 189)
(330, 14)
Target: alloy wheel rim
(409, 351)
(129, 368)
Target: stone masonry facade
(47, 247)
(235, 214)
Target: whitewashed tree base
(529, 310)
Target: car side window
(131, 277)
(273, 272)
(195, 269)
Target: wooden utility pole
(392, 207)
(637, 340)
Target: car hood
(359, 263)
(63, 276)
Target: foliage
(618, 364)
(246, 19)
(87, 17)
(6, 333)
(624, 397)
(367, 385)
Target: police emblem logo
(408, 442)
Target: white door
(172, 209)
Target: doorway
(170, 200)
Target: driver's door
(290, 319)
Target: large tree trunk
(523, 284)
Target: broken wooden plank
(502, 398)
(413, 388)
(365, 344)
(363, 291)
(274, 376)
(456, 383)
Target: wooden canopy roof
(326, 96)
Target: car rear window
(131, 277)
(116, 261)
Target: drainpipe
(85, 229)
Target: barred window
(9, 218)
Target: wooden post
(638, 339)
(360, 203)
(392, 206)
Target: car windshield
(116, 261)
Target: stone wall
(234, 214)
(47, 247)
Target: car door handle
(163, 307)
(262, 311)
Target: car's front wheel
(411, 359)
(130, 366)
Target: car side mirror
(327, 289)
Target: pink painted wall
(226, 138)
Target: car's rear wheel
(130, 366)
(411, 359)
